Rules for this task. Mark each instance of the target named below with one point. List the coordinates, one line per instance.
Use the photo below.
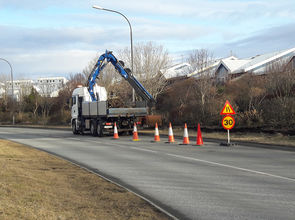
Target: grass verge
(37, 185)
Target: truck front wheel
(74, 127)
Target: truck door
(80, 100)
(75, 107)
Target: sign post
(228, 122)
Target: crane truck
(90, 109)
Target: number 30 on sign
(228, 122)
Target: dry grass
(36, 185)
(276, 139)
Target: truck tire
(93, 128)
(99, 130)
(74, 128)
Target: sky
(43, 38)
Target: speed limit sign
(228, 122)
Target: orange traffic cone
(135, 134)
(199, 136)
(185, 135)
(157, 136)
(170, 134)
(116, 136)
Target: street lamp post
(11, 75)
(131, 40)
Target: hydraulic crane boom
(125, 73)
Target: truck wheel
(74, 128)
(93, 128)
(99, 130)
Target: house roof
(209, 68)
(233, 64)
(261, 60)
(258, 62)
(180, 69)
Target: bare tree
(280, 85)
(200, 61)
(149, 62)
(65, 94)
(73, 81)
(4, 84)
(281, 80)
(203, 88)
(6, 92)
(45, 90)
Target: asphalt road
(208, 182)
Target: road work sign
(227, 109)
(228, 122)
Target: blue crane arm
(125, 73)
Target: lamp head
(97, 7)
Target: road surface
(208, 182)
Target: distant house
(232, 68)
(211, 68)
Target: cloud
(53, 36)
(37, 51)
(31, 39)
(210, 9)
(52, 62)
(35, 4)
(171, 32)
(264, 41)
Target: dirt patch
(36, 185)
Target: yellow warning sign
(228, 122)
(227, 109)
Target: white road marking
(142, 149)
(75, 139)
(232, 167)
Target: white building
(48, 87)
(20, 88)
